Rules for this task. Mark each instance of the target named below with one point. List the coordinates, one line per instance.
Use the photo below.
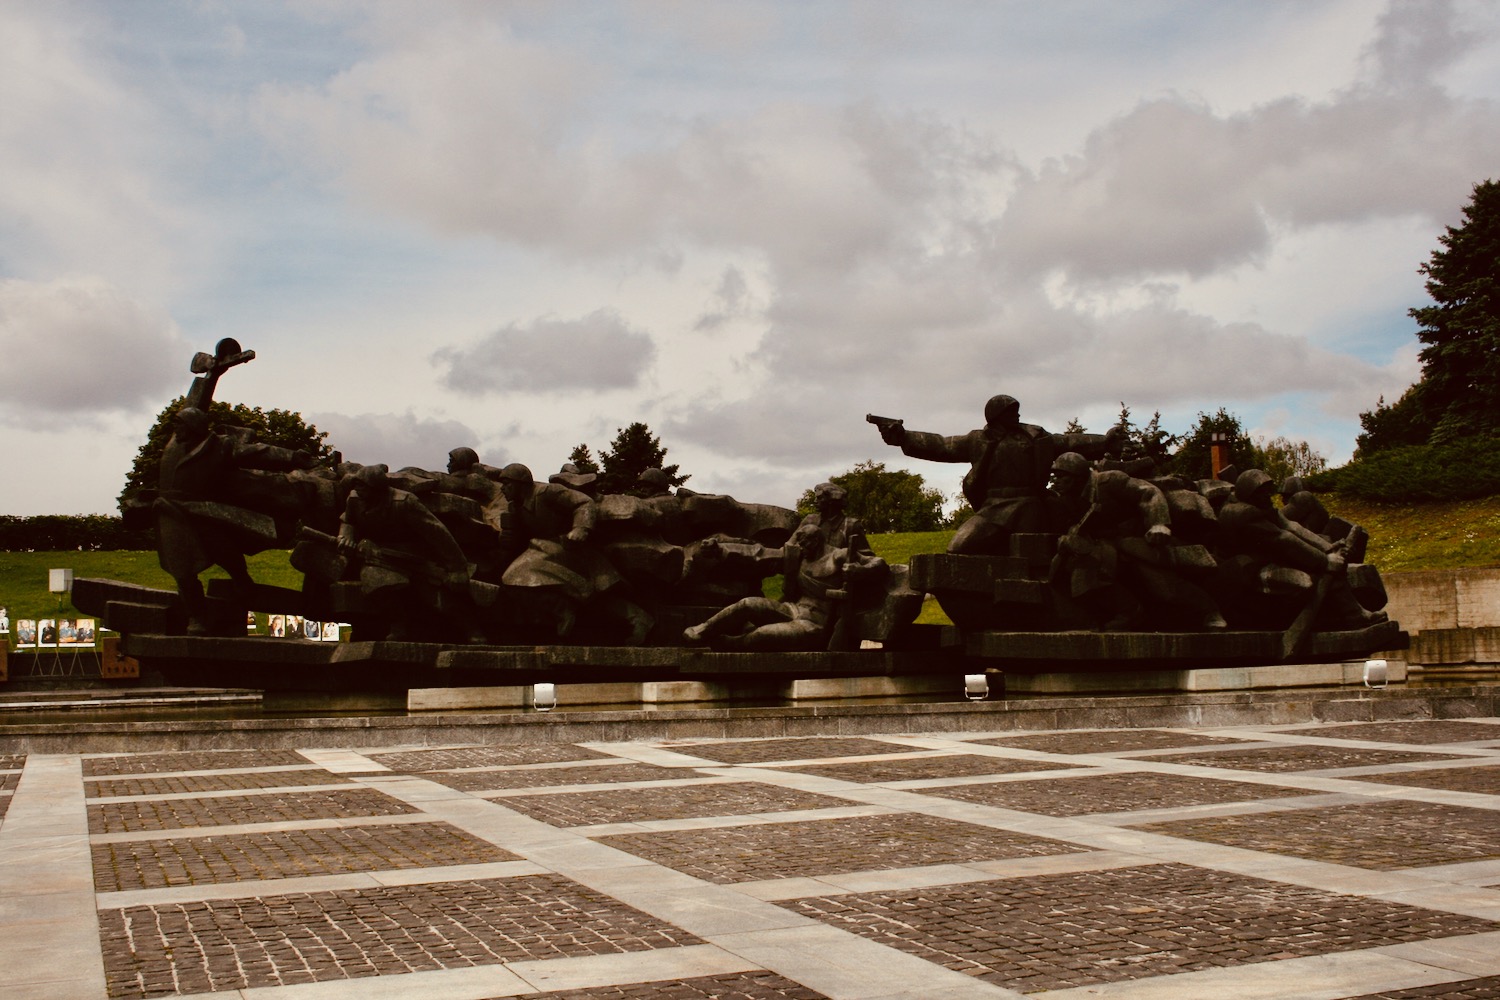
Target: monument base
(1279, 675)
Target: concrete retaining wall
(1444, 598)
(1453, 615)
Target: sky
(520, 226)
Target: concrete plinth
(1281, 675)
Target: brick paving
(801, 748)
(827, 847)
(150, 864)
(1281, 760)
(417, 761)
(1105, 741)
(919, 768)
(740, 986)
(314, 937)
(1482, 780)
(193, 760)
(543, 777)
(1381, 835)
(268, 807)
(902, 901)
(1100, 927)
(638, 805)
(12, 760)
(1426, 731)
(1487, 988)
(1105, 793)
(105, 788)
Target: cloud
(82, 348)
(84, 158)
(395, 439)
(1175, 188)
(598, 351)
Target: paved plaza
(1307, 861)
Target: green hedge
(1462, 470)
(71, 532)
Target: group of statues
(482, 554)
(1139, 551)
(476, 553)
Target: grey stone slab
(631, 967)
(1470, 901)
(342, 761)
(475, 983)
(1472, 955)
(1322, 977)
(845, 967)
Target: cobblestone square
(1105, 793)
(1379, 835)
(1283, 760)
(1423, 732)
(826, 847)
(637, 805)
(543, 777)
(1105, 741)
(630, 871)
(803, 748)
(148, 864)
(314, 937)
(920, 768)
(1100, 927)
(450, 758)
(177, 814)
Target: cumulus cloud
(597, 351)
(395, 439)
(1173, 187)
(96, 206)
(79, 348)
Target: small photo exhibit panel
(46, 633)
(67, 632)
(312, 629)
(294, 626)
(25, 633)
(330, 631)
(4, 621)
(276, 625)
(86, 633)
(250, 625)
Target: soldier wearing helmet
(1118, 565)
(1009, 463)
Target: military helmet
(1000, 406)
(515, 472)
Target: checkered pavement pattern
(1317, 861)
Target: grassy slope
(1432, 536)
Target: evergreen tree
(1460, 386)
(885, 499)
(583, 459)
(282, 428)
(633, 451)
(1193, 457)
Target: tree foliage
(1458, 394)
(1193, 457)
(1281, 457)
(282, 428)
(1460, 386)
(633, 451)
(583, 459)
(886, 500)
(70, 532)
(1467, 469)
